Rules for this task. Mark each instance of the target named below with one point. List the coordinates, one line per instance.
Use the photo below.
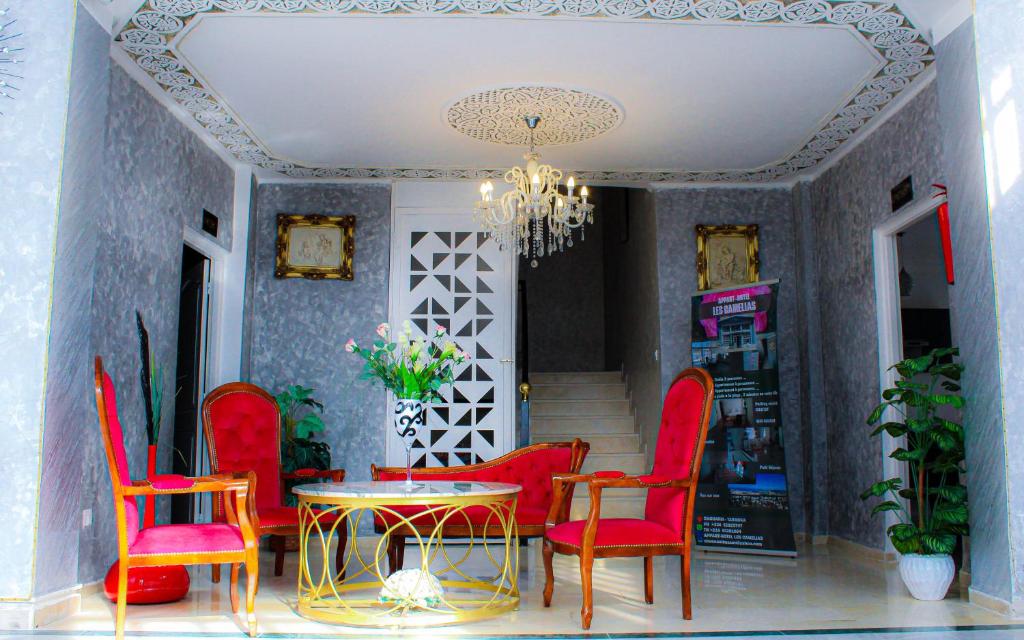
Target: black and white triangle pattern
(451, 282)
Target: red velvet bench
(530, 467)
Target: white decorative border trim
(149, 35)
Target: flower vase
(410, 417)
(149, 514)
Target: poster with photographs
(742, 499)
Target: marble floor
(824, 591)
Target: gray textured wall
(299, 326)
(812, 377)
(31, 139)
(848, 201)
(972, 309)
(565, 294)
(634, 327)
(159, 179)
(678, 212)
(1000, 56)
(69, 404)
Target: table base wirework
(352, 596)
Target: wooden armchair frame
(238, 487)
(596, 484)
(277, 533)
(396, 546)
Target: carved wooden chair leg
(215, 573)
(252, 577)
(684, 570)
(649, 579)
(587, 576)
(549, 572)
(399, 553)
(277, 543)
(339, 556)
(122, 599)
(234, 586)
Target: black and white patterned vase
(410, 417)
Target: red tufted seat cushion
(531, 470)
(187, 538)
(615, 532)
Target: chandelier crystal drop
(534, 218)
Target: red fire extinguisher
(947, 240)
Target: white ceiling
(703, 98)
(325, 92)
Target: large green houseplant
(932, 509)
(301, 415)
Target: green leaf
(882, 488)
(950, 513)
(903, 455)
(908, 494)
(947, 399)
(936, 543)
(955, 494)
(888, 505)
(894, 429)
(309, 424)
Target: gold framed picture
(727, 255)
(315, 246)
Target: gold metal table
(357, 594)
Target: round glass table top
(399, 489)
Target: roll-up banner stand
(742, 502)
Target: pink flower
(440, 330)
(382, 329)
(463, 355)
(350, 346)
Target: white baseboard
(992, 603)
(47, 609)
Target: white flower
(407, 328)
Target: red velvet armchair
(242, 426)
(667, 525)
(233, 541)
(531, 467)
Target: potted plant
(932, 510)
(414, 369)
(301, 413)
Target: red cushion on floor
(274, 517)
(187, 538)
(477, 516)
(615, 532)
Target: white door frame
(507, 393)
(890, 323)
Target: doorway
(912, 303)
(190, 383)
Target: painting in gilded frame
(727, 255)
(316, 247)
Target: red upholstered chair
(531, 467)
(666, 528)
(233, 541)
(242, 426)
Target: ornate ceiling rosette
(149, 39)
(567, 116)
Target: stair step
(632, 463)
(599, 442)
(580, 427)
(611, 506)
(582, 377)
(595, 391)
(541, 408)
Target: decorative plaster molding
(149, 39)
(566, 115)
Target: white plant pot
(927, 576)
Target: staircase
(592, 406)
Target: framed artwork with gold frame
(314, 246)
(727, 255)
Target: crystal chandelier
(533, 218)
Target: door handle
(507, 360)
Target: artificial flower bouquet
(413, 368)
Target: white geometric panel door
(445, 271)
